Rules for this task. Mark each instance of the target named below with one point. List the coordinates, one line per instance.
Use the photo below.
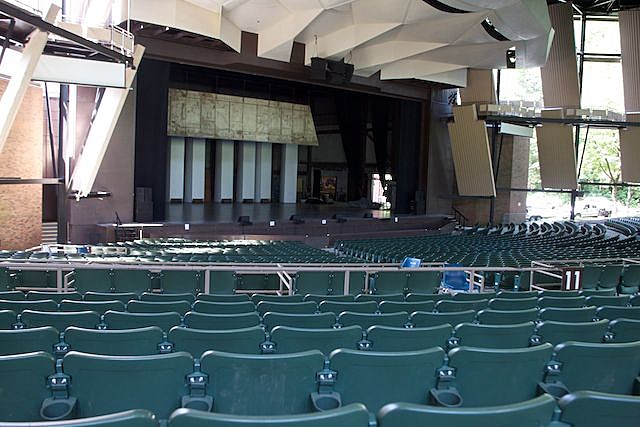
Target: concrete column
(263, 172)
(630, 49)
(176, 169)
(245, 188)
(289, 173)
(223, 188)
(194, 170)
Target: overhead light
(323, 222)
(272, 223)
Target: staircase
(49, 233)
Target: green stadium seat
(421, 319)
(354, 307)
(378, 378)
(12, 295)
(319, 282)
(309, 321)
(616, 301)
(294, 340)
(257, 298)
(354, 415)
(97, 306)
(593, 409)
(517, 295)
(223, 307)
(223, 298)
(123, 297)
(60, 320)
(389, 282)
(535, 412)
(456, 306)
(624, 330)
(379, 297)
(28, 340)
(7, 319)
(123, 342)
(559, 294)
(24, 379)
(155, 383)
(221, 321)
(319, 298)
(612, 313)
(635, 301)
(18, 306)
(365, 320)
(472, 296)
(56, 296)
(499, 317)
(409, 307)
(165, 297)
(386, 338)
(423, 281)
(197, 341)
(584, 314)
(489, 377)
(130, 280)
(136, 306)
(559, 332)
(610, 276)
(562, 302)
(222, 282)
(630, 283)
(180, 281)
(244, 384)
(132, 418)
(119, 320)
(599, 292)
(308, 307)
(606, 368)
(512, 304)
(494, 336)
(416, 297)
(87, 280)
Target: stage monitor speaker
(319, 69)
(336, 72)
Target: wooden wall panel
(556, 153)
(630, 150)
(630, 48)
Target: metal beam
(22, 181)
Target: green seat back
(559, 332)
(616, 301)
(421, 319)
(197, 341)
(513, 304)
(155, 383)
(223, 298)
(532, 413)
(18, 306)
(319, 320)
(488, 377)
(494, 336)
(423, 281)
(153, 297)
(593, 409)
(456, 306)
(517, 295)
(584, 314)
(132, 418)
(24, 378)
(599, 292)
(93, 280)
(386, 338)
(37, 278)
(377, 378)
(635, 300)
(221, 321)
(366, 320)
(129, 280)
(354, 415)
(379, 297)
(293, 340)
(610, 276)
(608, 368)
(499, 317)
(12, 295)
(409, 307)
(60, 320)
(591, 276)
(223, 307)
(559, 294)
(123, 297)
(119, 320)
(274, 384)
(258, 298)
(7, 319)
(319, 298)
(354, 307)
(181, 281)
(472, 296)
(613, 313)
(390, 282)
(56, 296)
(222, 282)
(625, 330)
(124, 342)
(308, 307)
(158, 307)
(415, 297)
(28, 340)
(97, 306)
(319, 282)
(562, 302)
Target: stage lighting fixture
(272, 223)
(323, 222)
(395, 219)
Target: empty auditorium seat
(379, 297)
(136, 306)
(18, 306)
(119, 320)
(223, 307)
(12, 295)
(223, 298)
(421, 319)
(164, 297)
(123, 297)
(409, 307)
(593, 409)
(473, 296)
(365, 320)
(87, 280)
(28, 340)
(97, 306)
(630, 282)
(132, 418)
(624, 330)
(494, 336)
(56, 296)
(615, 301)
(517, 295)
(319, 298)
(558, 294)
(635, 300)
(308, 307)
(387, 338)
(123, 342)
(7, 319)
(610, 276)
(599, 292)
(176, 281)
(354, 415)
(318, 320)
(354, 307)
(257, 298)
(584, 314)
(499, 317)
(510, 304)
(414, 297)
(244, 384)
(318, 282)
(456, 306)
(221, 321)
(293, 340)
(197, 341)
(24, 386)
(561, 302)
(559, 332)
(132, 280)
(535, 412)
(389, 282)
(60, 320)
(612, 313)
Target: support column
(194, 170)
(289, 173)
(263, 173)
(223, 189)
(245, 189)
(176, 169)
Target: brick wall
(21, 205)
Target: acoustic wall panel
(630, 150)
(630, 48)
(471, 153)
(557, 153)
(480, 88)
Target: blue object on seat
(456, 280)
(411, 262)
